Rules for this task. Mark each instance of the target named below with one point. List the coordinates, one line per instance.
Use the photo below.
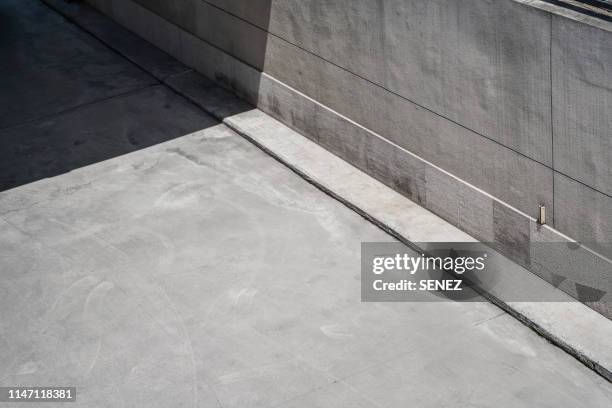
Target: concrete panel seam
(371, 132)
(584, 184)
(552, 121)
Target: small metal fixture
(542, 216)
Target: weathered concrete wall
(480, 110)
(582, 130)
(482, 64)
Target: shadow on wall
(209, 31)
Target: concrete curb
(552, 321)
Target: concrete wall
(480, 110)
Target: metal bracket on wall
(542, 215)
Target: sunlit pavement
(152, 257)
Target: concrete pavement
(150, 256)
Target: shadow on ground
(69, 101)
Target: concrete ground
(150, 256)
